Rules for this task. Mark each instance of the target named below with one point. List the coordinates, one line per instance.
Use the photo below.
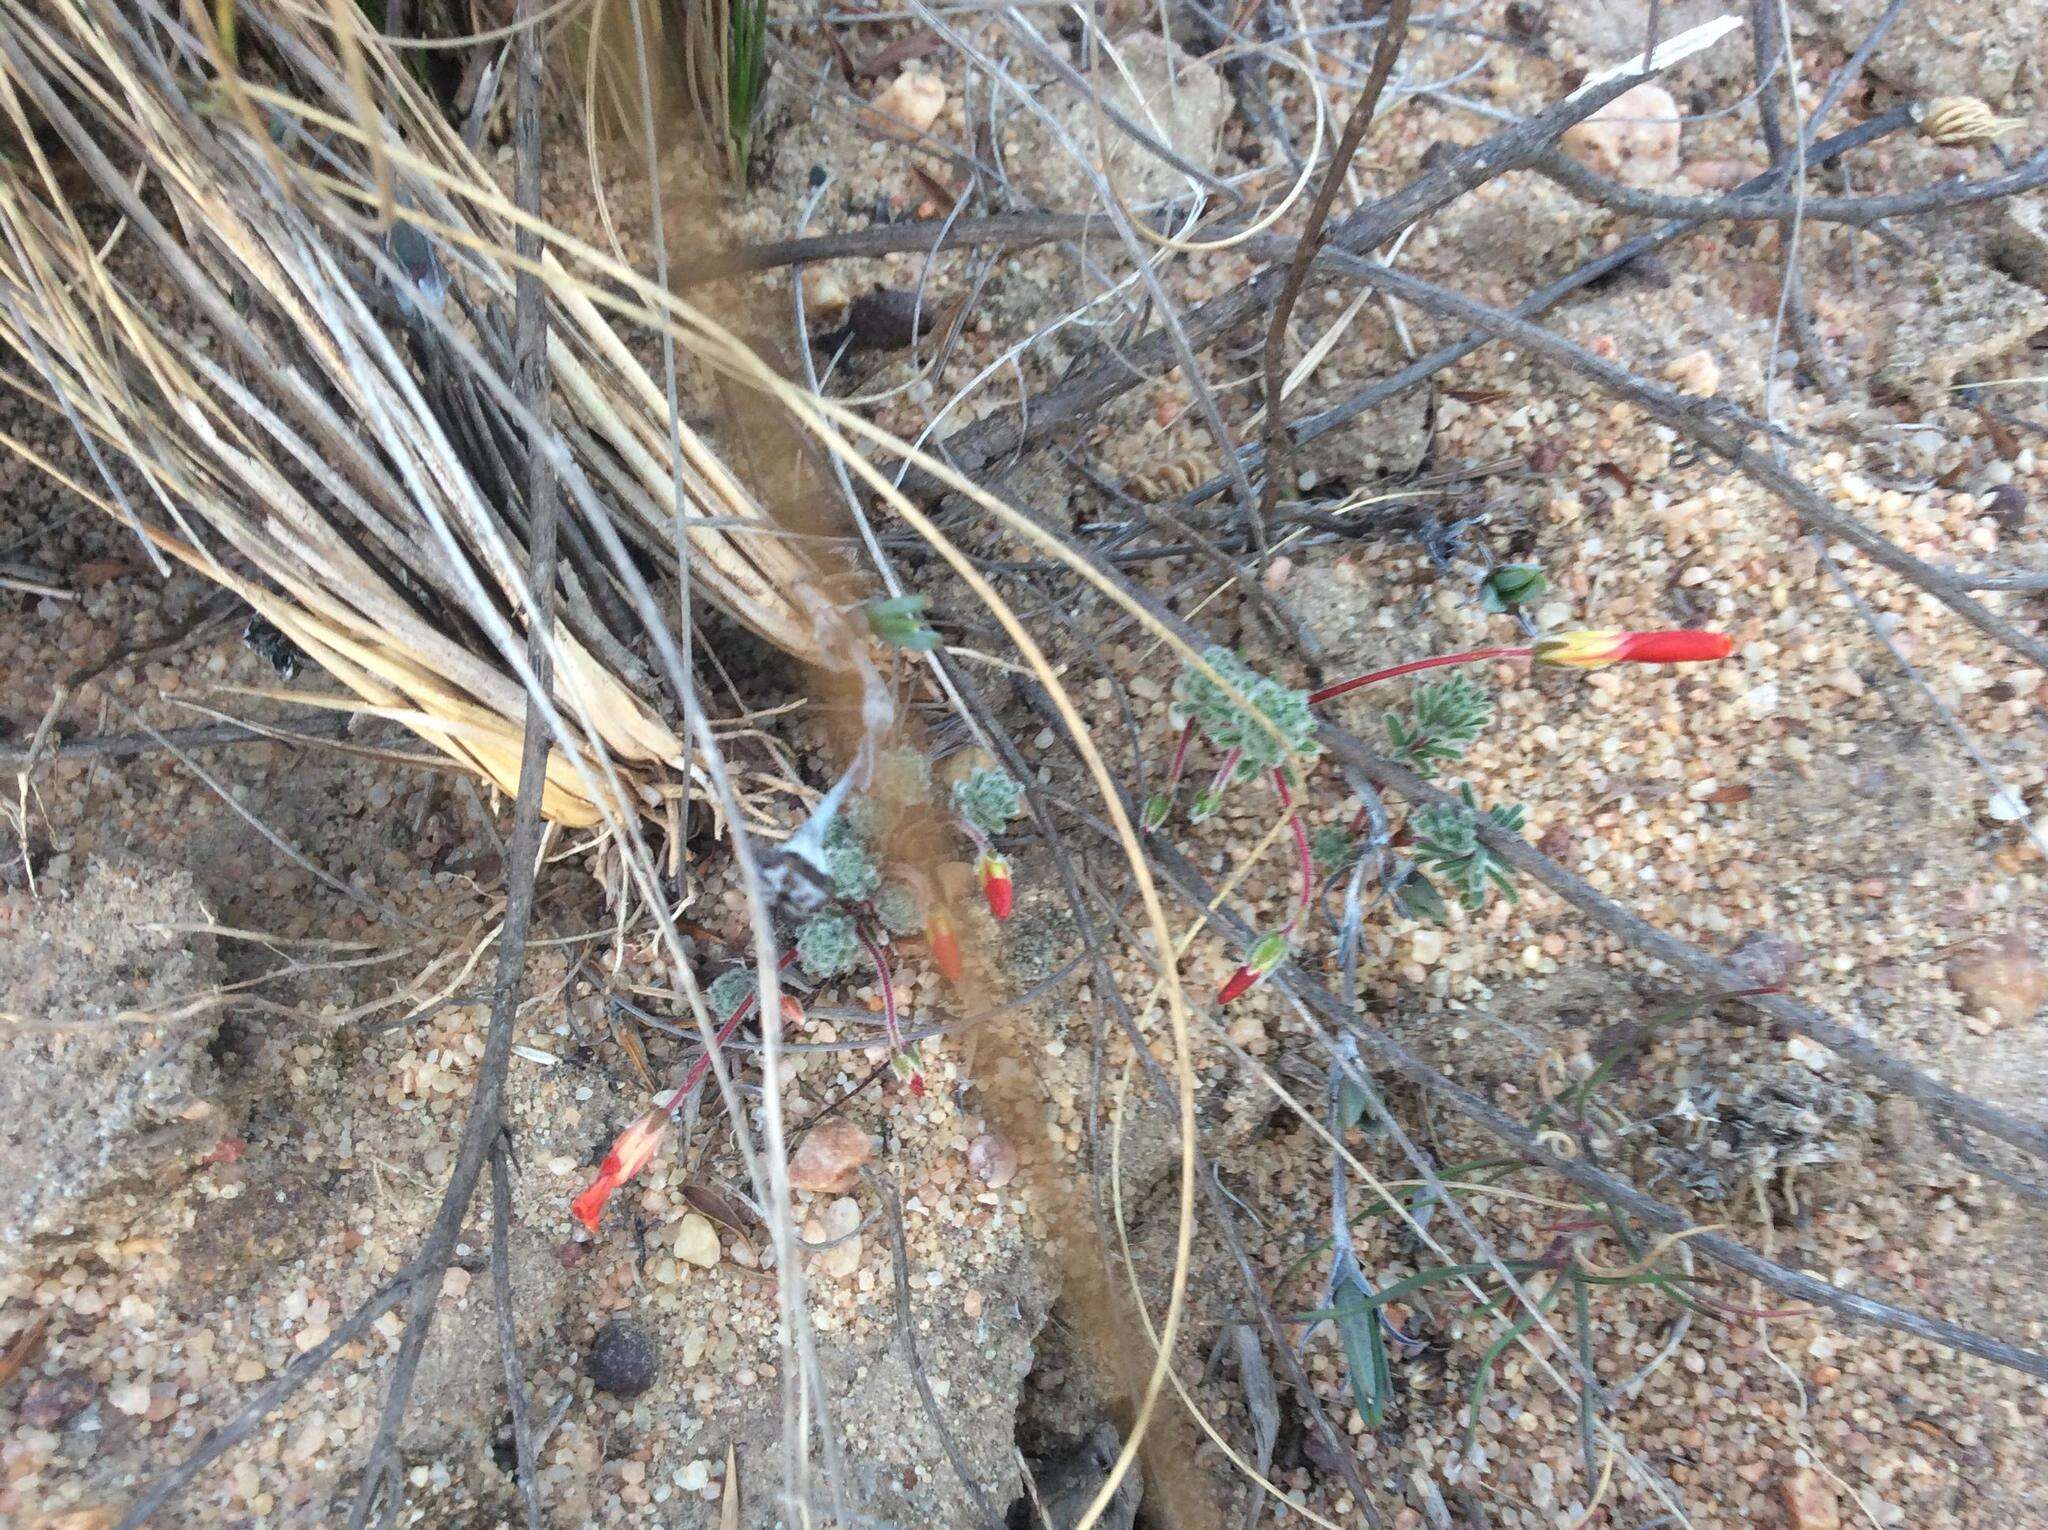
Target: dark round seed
(622, 1358)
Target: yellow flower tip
(1592, 648)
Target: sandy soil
(177, 1239)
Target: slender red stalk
(974, 836)
(702, 1065)
(1180, 757)
(1413, 666)
(888, 986)
(1308, 864)
(635, 1147)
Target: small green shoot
(1444, 718)
(1512, 585)
(1447, 842)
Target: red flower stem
(979, 839)
(1413, 666)
(702, 1065)
(1180, 757)
(887, 985)
(1222, 777)
(1308, 865)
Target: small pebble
(1809, 1501)
(1765, 960)
(829, 1159)
(907, 106)
(2000, 980)
(1633, 138)
(1696, 372)
(840, 1219)
(696, 1241)
(992, 1159)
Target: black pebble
(623, 1358)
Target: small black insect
(263, 639)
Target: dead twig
(1738, 206)
(1547, 297)
(1273, 362)
(1347, 750)
(1386, 1052)
(508, 1338)
(224, 1437)
(973, 448)
(1802, 1019)
(382, 1477)
(312, 728)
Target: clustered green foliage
(746, 72)
(734, 986)
(1330, 847)
(1229, 726)
(987, 799)
(851, 865)
(828, 944)
(1444, 718)
(899, 908)
(859, 820)
(1447, 843)
(849, 857)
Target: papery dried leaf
(721, 1209)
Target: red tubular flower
(994, 871)
(629, 1154)
(1241, 983)
(1268, 952)
(1595, 649)
(945, 944)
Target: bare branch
(1389, 1053)
(1273, 362)
(2030, 174)
(1802, 1019)
(973, 448)
(915, 1362)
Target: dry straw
(226, 350)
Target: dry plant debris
(1693, 1184)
